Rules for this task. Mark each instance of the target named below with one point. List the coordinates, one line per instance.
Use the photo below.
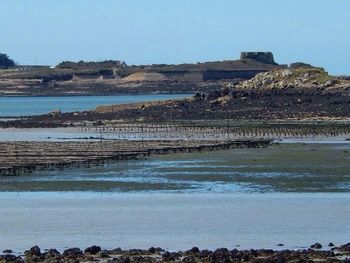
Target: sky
(46, 32)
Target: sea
(293, 193)
(17, 106)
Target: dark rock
(345, 248)
(204, 253)
(72, 252)
(152, 250)
(159, 249)
(194, 250)
(167, 256)
(35, 251)
(316, 246)
(93, 250)
(8, 258)
(117, 251)
(51, 256)
(124, 260)
(89, 258)
(189, 259)
(135, 252)
(331, 244)
(220, 255)
(7, 251)
(103, 254)
(53, 251)
(143, 259)
(280, 245)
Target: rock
(331, 244)
(316, 246)
(300, 65)
(152, 250)
(330, 83)
(285, 73)
(103, 254)
(117, 251)
(280, 245)
(204, 253)
(167, 256)
(35, 251)
(345, 248)
(51, 256)
(124, 260)
(8, 258)
(159, 249)
(55, 113)
(190, 259)
(194, 250)
(93, 250)
(134, 252)
(7, 251)
(72, 252)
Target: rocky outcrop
(193, 255)
(300, 65)
(264, 57)
(295, 80)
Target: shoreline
(315, 253)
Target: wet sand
(172, 221)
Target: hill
(116, 77)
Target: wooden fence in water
(216, 131)
(26, 157)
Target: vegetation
(123, 70)
(46, 75)
(313, 75)
(81, 65)
(5, 61)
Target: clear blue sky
(164, 31)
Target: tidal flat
(291, 194)
(296, 167)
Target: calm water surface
(172, 221)
(23, 106)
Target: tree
(5, 61)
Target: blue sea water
(23, 106)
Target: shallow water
(172, 221)
(24, 106)
(294, 194)
(278, 168)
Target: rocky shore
(281, 94)
(316, 253)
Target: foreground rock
(95, 254)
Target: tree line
(5, 61)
